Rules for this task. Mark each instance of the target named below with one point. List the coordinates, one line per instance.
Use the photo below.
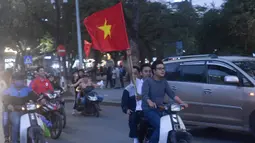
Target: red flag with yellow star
(107, 29)
(87, 47)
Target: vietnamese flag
(107, 29)
(87, 47)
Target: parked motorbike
(31, 125)
(51, 110)
(172, 128)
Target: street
(112, 126)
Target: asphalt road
(112, 127)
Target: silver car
(219, 90)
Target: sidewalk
(111, 96)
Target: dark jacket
(128, 101)
(56, 86)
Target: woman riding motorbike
(85, 86)
(55, 83)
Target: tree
(240, 16)
(19, 28)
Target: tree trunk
(134, 40)
(135, 53)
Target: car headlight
(175, 108)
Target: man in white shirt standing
(145, 72)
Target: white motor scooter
(172, 128)
(31, 125)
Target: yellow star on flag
(106, 28)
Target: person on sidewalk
(128, 105)
(122, 75)
(114, 74)
(117, 79)
(109, 77)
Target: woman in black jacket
(75, 79)
(55, 84)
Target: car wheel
(252, 123)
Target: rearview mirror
(231, 79)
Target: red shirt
(40, 85)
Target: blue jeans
(153, 117)
(132, 125)
(5, 123)
(15, 122)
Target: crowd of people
(140, 98)
(115, 76)
(16, 92)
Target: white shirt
(117, 72)
(131, 89)
(139, 84)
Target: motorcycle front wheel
(36, 136)
(96, 109)
(57, 125)
(40, 139)
(63, 113)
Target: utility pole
(78, 25)
(58, 41)
(57, 22)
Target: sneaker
(74, 112)
(6, 140)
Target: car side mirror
(231, 79)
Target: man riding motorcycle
(15, 96)
(153, 92)
(41, 84)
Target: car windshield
(247, 66)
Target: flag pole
(130, 63)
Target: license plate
(177, 127)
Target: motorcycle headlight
(31, 107)
(38, 106)
(175, 108)
(51, 96)
(92, 98)
(57, 91)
